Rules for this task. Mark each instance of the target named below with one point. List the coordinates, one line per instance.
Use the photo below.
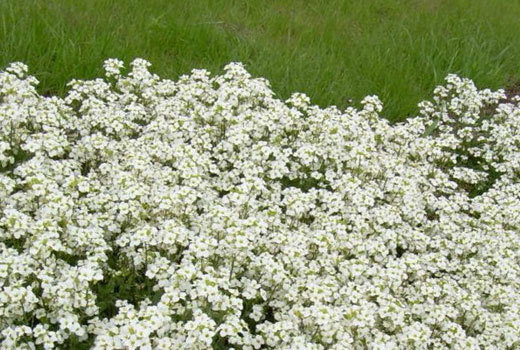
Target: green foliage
(123, 282)
(337, 52)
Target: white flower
(150, 214)
(113, 67)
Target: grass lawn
(334, 50)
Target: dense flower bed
(143, 213)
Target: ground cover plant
(204, 213)
(335, 51)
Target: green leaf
(431, 128)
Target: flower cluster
(205, 213)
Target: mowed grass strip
(335, 51)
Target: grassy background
(333, 50)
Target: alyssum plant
(204, 213)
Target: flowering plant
(205, 213)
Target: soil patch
(512, 90)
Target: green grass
(332, 50)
